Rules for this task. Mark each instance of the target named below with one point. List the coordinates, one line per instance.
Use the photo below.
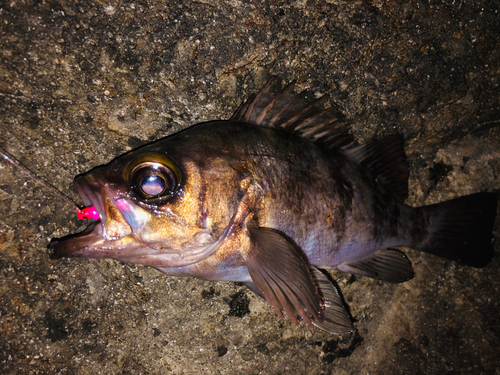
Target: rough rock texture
(82, 82)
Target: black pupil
(153, 185)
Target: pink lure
(88, 213)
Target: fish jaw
(113, 235)
(125, 231)
(117, 215)
(92, 244)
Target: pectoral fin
(282, 273)
(254, 289)
(386, 265)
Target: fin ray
(386, 264)
(294, 114)
(281, 272)
(461, 229)
(337, 319)
(386, 160)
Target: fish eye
(154, 178)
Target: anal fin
(337, 320)
(386, 264)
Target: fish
(273, 198)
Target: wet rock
(84, 82)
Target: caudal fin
(461, 229)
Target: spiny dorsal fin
(294, 114)
(387, 161)
(385, 158)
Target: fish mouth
(90, 193)
(95, 241)
(79, 245)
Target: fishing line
(85, 213)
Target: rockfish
(272, 198)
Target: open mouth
(75, 245)
(117, 232)
(90, 193)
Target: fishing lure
(82, 213)
(87, 213)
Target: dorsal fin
(386, 160)
(294, 114)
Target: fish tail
(461, 229)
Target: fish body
(270, 198)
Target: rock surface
(82, 82)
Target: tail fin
(461, 229)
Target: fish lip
(90, 192)
(76, 245)
(79, 244)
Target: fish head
(153, 207)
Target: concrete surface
(82, 82)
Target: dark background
(83, 82)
